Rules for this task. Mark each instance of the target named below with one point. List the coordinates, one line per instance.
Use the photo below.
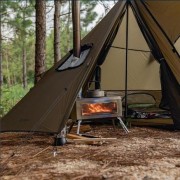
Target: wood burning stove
(91, 108)
(101, 107)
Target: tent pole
(126, 65)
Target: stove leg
(123, 125)
(113, 122)
(79, 124)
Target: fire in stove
(103, 107)
(89, 109)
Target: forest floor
(145, 153)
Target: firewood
(88, 140)
(75, 136)
(95, 139)
(83, 128)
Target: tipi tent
(153, 64)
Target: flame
(98, 108)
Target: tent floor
(144, 153)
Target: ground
(145, 153)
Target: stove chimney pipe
(76, 28)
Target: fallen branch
(94, 139)
(41, 151)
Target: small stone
(177, 165)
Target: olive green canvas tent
(153, 64)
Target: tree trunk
(1, 77)
(57, 52)
(14, 79)
(7, 68)
(68, 26)
(1, 110)
(24, 64)
(40, 45)
(24, 67)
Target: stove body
(102, 107)
(97, 108)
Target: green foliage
(18, 22)
(21, 21)
(12, 61)
(66, 43)
(89, 15)
(11, 96)
(50, 50)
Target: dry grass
(145, 153)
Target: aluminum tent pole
(126, 64)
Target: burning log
(95, 108)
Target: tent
(153, 63)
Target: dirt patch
(145, 153)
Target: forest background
(18, 34)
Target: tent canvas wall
(140, 61)
(48, 105)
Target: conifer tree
(40, 46)
(21, 23)
(57, 52)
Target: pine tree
(21, 23)
(40, 46)
(1, 80)
(57, 52)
